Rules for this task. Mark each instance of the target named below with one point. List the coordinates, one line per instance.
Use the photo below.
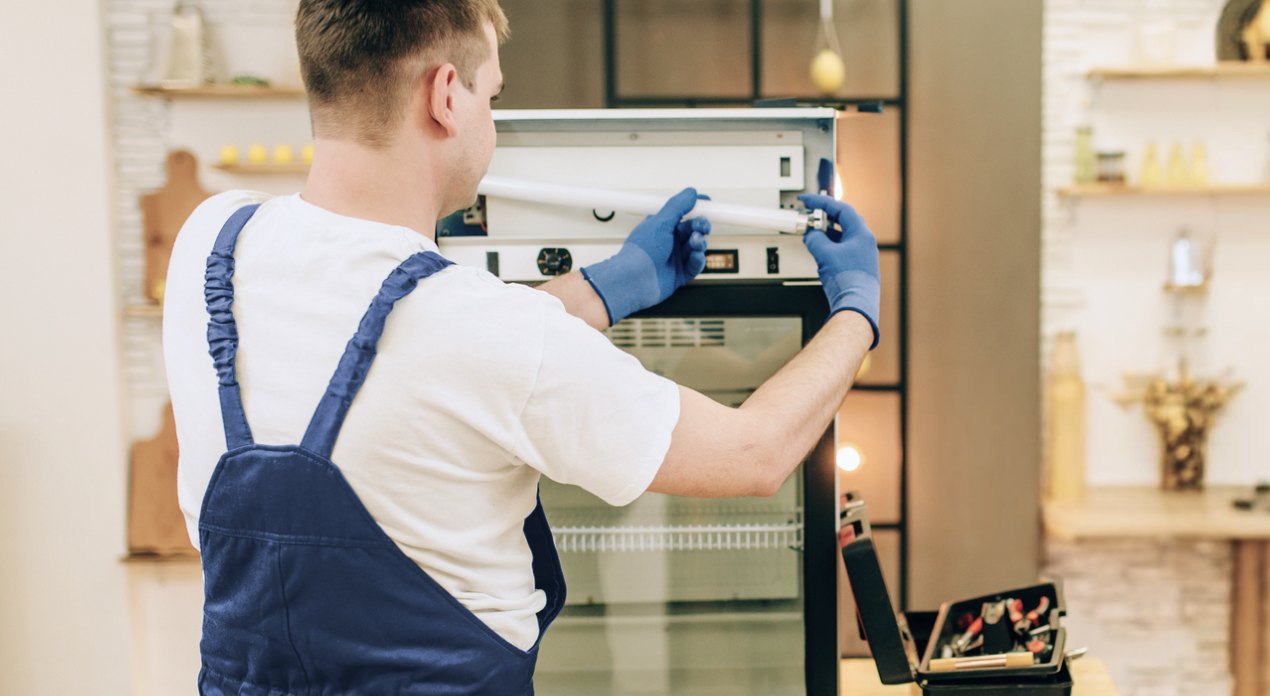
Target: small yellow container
(257, 154)
(283, 154)
(229, 154)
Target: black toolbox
(905, 654)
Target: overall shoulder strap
(355, 364)
(222, 332)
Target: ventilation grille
(668, 333)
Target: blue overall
(304, 592)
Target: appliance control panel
(761, 160)
(554, 261)
(729, 259)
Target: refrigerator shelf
(693, 537)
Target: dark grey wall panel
(555, 57)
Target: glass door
(684, 595)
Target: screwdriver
(1012, 659)
(962, 642)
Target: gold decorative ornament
(1243, 31)
(1184, 409)
(1183, 412)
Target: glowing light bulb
(828, 72)
(864, 367)
(849, 458)
(772, 219)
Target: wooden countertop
(860, 678)
(1140, 511)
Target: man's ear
(439, 90)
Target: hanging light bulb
(864, 367)
(828, 72)
(849, 457)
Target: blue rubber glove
(847, 260)
(660, 256)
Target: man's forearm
(579, 299)
(796, 403)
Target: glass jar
(1111, 167)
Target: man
(400, 547)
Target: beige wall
(63, 621)
(974, 296)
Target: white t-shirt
(478, 388)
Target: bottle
(1199, 165)
(187, 59)
(1151, 176)
(1189, 263)
(1176, 173)
(1086, 162)
(1065, 442)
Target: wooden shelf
(265, 169)
(220, 92)
(1187, 289)
(1148, 512)
(1105, 190)
(148, 311)
(1197, 72)
(161, 559)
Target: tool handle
(1003, 660)
(1038, 613)
(779, 219)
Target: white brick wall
(1156, 612)
(143, 129)
(166, 607)
(1104, 260)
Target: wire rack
(764, 530)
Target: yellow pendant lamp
(828, 72)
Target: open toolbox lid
(886, 630)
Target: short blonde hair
(360, 58)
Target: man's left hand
(660, 256)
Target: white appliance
(678, 596)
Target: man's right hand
(847, 260)
(720, 451)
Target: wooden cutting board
(155, 523)
(163, 213)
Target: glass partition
(683, 595)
